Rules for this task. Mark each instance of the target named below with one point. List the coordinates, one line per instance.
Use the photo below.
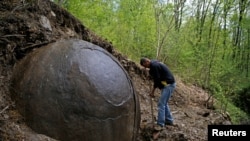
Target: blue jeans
(164, 113)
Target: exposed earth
(25, 26)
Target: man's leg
(168, 115)
(162, 106)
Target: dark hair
(143, 60)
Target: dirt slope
(25, 26)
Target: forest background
(205, 42)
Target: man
(165, 81)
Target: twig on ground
(187, 114)
(34, 46)
(4, 109)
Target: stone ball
(73, 90)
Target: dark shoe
(170, 123)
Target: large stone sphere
(73, 90)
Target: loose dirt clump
(28, 25)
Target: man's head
(145, 62)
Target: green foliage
(127, 24)
(242, 99)
(237, 115)
(224, 104)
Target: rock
(45, 23)
(73, 90)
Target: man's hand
(164, 83)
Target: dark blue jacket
(160, 72)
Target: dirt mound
(25, 26)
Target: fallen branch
(4, 109)
(34, 46)
(13, 35)
(187, 115)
